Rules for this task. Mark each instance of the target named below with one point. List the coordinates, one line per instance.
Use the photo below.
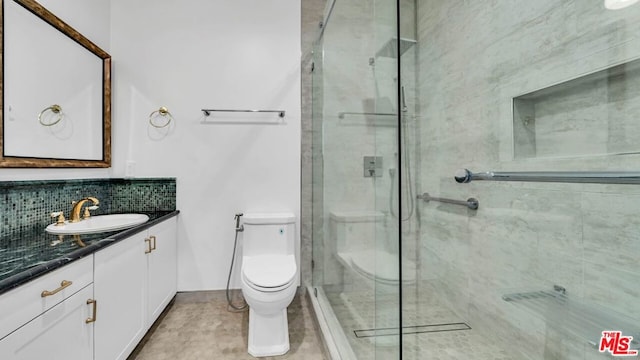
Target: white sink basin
(97, 224)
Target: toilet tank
(268, 234)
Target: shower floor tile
(358, 310)
(198, 326)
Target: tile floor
(359, 308)
(198, 326)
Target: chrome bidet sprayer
(237, 219)
(239, 228)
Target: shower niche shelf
(584, 320)
(595, 114)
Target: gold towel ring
(160, 112)
(56, 109)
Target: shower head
(390, 48)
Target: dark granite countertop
(33, 254)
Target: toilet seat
(269, 273)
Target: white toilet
(269, 280)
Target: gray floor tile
(198, 326)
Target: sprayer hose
(231, 305)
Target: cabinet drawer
(61, 332)
(24, 303)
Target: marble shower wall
(473, 58)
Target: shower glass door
(541, 270)
(356, 178)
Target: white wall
(186, 56)
(218, 54)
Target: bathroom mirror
(56, 92)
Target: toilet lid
(269, 271)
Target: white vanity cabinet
(134, 281)
(119, 286)
(63, 332)
(97, 307)
(26, 302)
(162, 274)
(48, 316)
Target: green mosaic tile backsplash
(27, 205)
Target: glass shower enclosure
(475, 179)
(356, 175)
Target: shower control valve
(372, 166)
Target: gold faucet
(77, 206)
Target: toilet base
(268, 334)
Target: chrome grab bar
(471, 203)
(611, 177)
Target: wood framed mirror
(55, 108)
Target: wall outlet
(130, 169)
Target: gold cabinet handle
(63, 284)
(153, 237)
(149, 249)
(95, 311)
